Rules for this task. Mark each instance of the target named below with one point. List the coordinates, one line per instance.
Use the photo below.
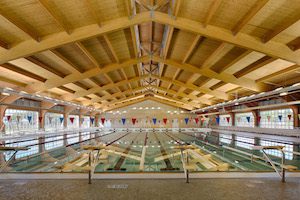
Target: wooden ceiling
(111, 53)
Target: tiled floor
(207, 189)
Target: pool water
(214, 151)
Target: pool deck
(211, 189)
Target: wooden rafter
(213, 9)
(176, 9)
(51, 83)
(168, 41)
(121, 105)
(110, 96)
(23, 72)
(254, 66)
(235, 61)
(20, 26)
(88, 54)
(214, 54)
(44, 66)
(219, 94)
(7, 80)
(249, 16)
(281, 72)
(4, 45)
(103, 88)
(247, 83)
(53, 15)
(81, 85)
(66, 89)
(189, 96)
(67, 61)
(281, 28)
(192, 48)
(133, 36)
(92, 11)
(111, 48)
(273, 49)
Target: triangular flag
(289, 116)
(280, 117)
(196, 120)
(61, 119)
(165, 121)
(102, 120)
(154, 120)
(258, 118)
(218, 119)
(18, 118)
(228, 119)
(133, 121)
(123, 120)
(248, 119)
(92, 120)
(8, 117)
(269, 118)
(72, 119)
(29, 118)
(186, 120)
(238, 119)
(50, 120)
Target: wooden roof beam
(229, 78)
(55, 82)
(246, 41)
(133, 36)
(294, 47)
(92, 12)
(249, 16)
(212, 10)
(81, 85)
(176, 8)
(168, 41)
(99, 89)
(4, 45)
(214, 54)
(52, 14)
(44, 66)
(281, 28)
(20, 26)
(189, 96)
(219, 94)
(171, 103)
(66, 89)
(235, 61)
(23, 72)
(112, 50)
(281, 72)
(110, 96)
(192, 48)
(254, 66)
(114, 107)
(7, 80)
(67, 61)
(88, 54)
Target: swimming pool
(151, 151)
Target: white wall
(129, 112)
